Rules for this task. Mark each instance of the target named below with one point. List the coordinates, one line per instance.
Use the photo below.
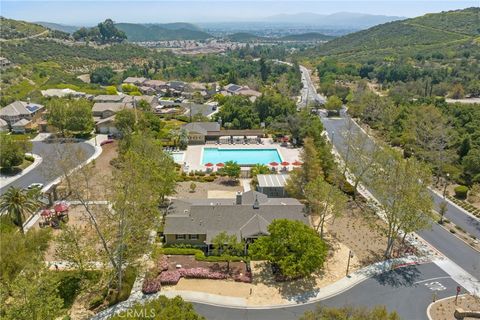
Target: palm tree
(18, 203)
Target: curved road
(45, 172)
(407, 290)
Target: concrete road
(407, 290)
(47, 171)
(444, 241)
(308, 93)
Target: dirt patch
(444, 309)
(204, 189)
(361, 231)
(190, 262)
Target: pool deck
(194, 153)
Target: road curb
(454, 204)
(431, 304)
(37, 161)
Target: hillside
(159, 32)
(16, 29)
(309, 36)
(59, 27)
(425, 34)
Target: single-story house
(200, 132)
(61, 93)
(3, 125)
(4, 62)
(104, 110)
(134, 80)
(151, 100)
(21, 126)
(273, 185)
(198, 221)
(156, 84)
(179, 86)
(109, 98)
(106, 126)
(232, 88)
(18, 110)
(147, 90)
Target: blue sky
(75, 12)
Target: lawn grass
(17, 169)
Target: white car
(35, 186)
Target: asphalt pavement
(47, 171)
(408, 290)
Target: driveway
(45, 172)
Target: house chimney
(256, 204)
(238, 198)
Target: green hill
(429, 33)
(244, 37)
(58, 26)
(158, 32)
(16, 29)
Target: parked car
(35, 186)
(104, 142)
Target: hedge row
(199, 255)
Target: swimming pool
(241, 156)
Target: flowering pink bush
(151, 285)
(247, 278)
(169, 277)
(201, 273)
(162, 264)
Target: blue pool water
(241, 156)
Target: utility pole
(350, 255)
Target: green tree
(102, 75)
(12, 151)
(457, 91)
(227, 246)
(311, 169)
(111, 90)
(471, 165)
(110, 33)
(293, 246)
(125, 121)
(400, 186)
(334, 103)
(70, 115)
(19, 203)
(232, 169)
(259, 169)
(349, 313)
(324, 200)
(271, 106)
(74, 245)
(161, 309)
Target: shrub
(461, 192)
(209, 179)
(202, 273)
(169, 277)
(29, 158)
(162, 264)
(191, 173)
(151, 285)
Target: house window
(179, 237)
(194, 237)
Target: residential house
(109, 98)
(273, 185)
(135, 81)
(198, 221)
(3, 125)
(235, 89)
(62, 93)
(157, 85)
(178, 86)
(5, 63)
(106, 126)
(21, 126)
(102, 110)
(19, 110)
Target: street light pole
(445, 186)
(350, 255)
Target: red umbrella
(297, 163)
(285, 163)
(273, 164)
(209, 164)
(220, 164)
(61, 207)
